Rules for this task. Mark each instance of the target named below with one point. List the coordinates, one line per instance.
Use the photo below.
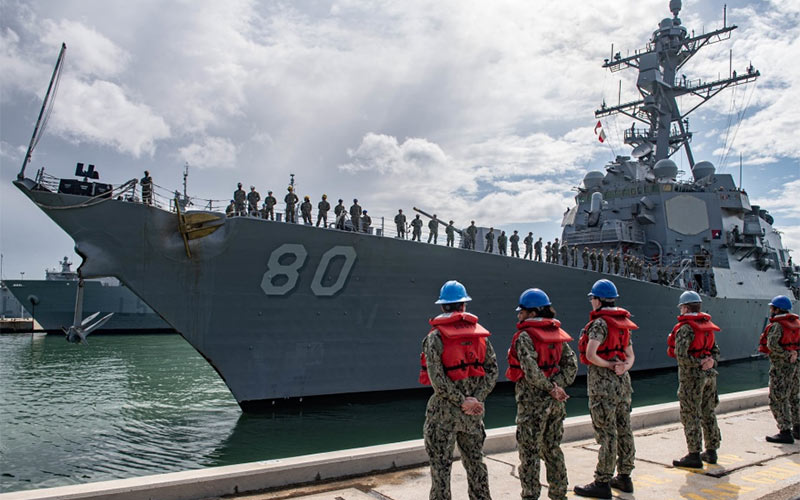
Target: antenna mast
(36, 130)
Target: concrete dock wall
(270, 474)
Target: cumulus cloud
(386, 155)
(210, 152)
(101, 112)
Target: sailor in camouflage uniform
(458, 361)
(514, 244)
(781, 341)
(605, 346)
(542, 364)
(692, 343)
(269, 206)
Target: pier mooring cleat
(796, 432)
(594, 489)
(783, 437)
(622, 482)
(709, 456)
(691, 461)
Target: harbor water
(133, 405)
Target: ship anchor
(81, 328)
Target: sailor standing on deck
(269, 206)
(538, 248)
(147, 188)
(355, 215)
(337, 211)
(541, 363)
(305, 210)
(416, 229)
(605, 347)
(322, 211)
(502, 240)
(458, 361)
(781, 341)
(528, 241)
(450, 231)
(514, 239)
(433, 229)
(253, 197)
(692, 343)
(489, 241)
(239, 197)
(472, 232)
(291, 200)
(400, 222)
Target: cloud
(210, 152)
(91, 54)
(101, 112)
(384, 154)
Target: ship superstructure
(701, 233)
(289, 311)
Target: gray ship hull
(56, 307)
(290, 311)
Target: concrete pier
(748, 468)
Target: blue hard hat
(604, 289)
(689, 297)
(533, 297)
(782, 302)
(453, 292)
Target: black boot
(796, 432)
(709, 456)
(784, 437)
(692, 461)
(594, 489)
(622, 482)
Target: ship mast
(658, 64)
(36, 130)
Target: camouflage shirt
(603, 381)
(688, 365)
(535, 387)
(777, 354)
(444, 406)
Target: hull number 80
(291, 272)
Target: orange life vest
(619, 334)
(703, 329)
(548, 340)
(464, 346)
(791, 333)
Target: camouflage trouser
(612, 430)
(439, 443)
(698, 399)
(539, 436)
(784, 398)
(450, 240)
(322, 217)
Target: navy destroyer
(52, 302)
(290, 311)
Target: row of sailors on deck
(247, 204)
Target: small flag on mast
(601, 136)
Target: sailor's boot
(622, 482)
(709, 456)
(796, 431)
(594, 489)
(692, 461)
(784, 437)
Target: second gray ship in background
(288, 311)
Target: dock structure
(748, 468)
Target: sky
(468, 109)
